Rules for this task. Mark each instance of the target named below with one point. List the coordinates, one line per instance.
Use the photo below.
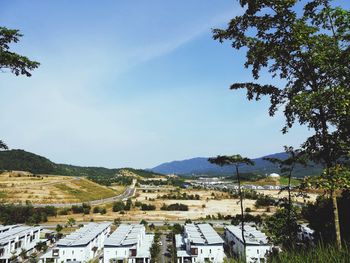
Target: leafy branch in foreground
(309, 50)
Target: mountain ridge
(21, 160)
(201, 166)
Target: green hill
(20, 160)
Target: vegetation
(309, 50)
(155, 248)
(146, 207)
(85, 190)
(319, 254)
(320, 217)
(20, 214)
(178, 196)
(235, 160)
(175, 207)
(20, 160)
(84, 208)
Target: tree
(3, 145)
(235, 160)
(309, 50)
(17, 64)
(71, 222)
(287, 166)
(59, 228)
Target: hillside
(201, 166)
(20, 160)
(16, 187)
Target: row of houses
(129, 243)
(15, 239)
(201, 243)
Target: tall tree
(235, 160)
(287, 166)
(17, 64)
(309, 50)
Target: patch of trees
(98, 209)
(321, 219)
(264, 200)
(146, 207)
(83, 209)
(179, 196)
(25, 214)
(175, 207)
(177, 182)
(111, 179)
(120, 206)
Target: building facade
(15, 239)
(199, 243)
(80, 246)
(129, 243)
(257, 246)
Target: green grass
(3, 195)
(87, 191)
(319, 254)
(284, 181)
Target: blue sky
(131, 83)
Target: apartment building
(15, 239)
(257, 246)
(129, 243)
(200, 243)
(80, 246)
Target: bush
(175, 207)
(118, 206)
(145, 207)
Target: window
(209, 251)
(258, 251)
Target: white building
(129, 243)
(199, 243)
(14, 239)
(6, 228)
(80, 246)
(274, 175)
(257, 245)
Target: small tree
(59, 228)
(71, 222)
(235, 160)
(287, 166)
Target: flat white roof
(83, 236)
(202, 234)
(20, 231)
(125, 235)
(251, 234)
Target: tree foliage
(309, 50)
(17, 64)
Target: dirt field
(198, 209)
(44, 189)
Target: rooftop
(202, 234)
(84, 235)
(251, 234)
(125, 235)
(11, 234)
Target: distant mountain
(20, 160)
(201, 166)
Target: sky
(132, 84)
